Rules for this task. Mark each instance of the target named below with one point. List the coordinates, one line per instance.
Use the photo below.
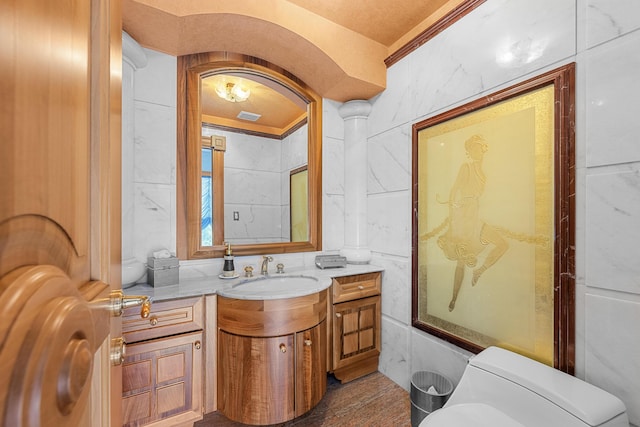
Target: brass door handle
(197, 345)
(120, 301)
(283, 348)
(153, 320)
(338, 315)
(308, 343)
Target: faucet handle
(248, 271)
(280, 268)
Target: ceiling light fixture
(233, 92)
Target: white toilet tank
(503, 388)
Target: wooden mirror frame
(190, 70)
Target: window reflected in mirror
(207, 198)
(298, 190)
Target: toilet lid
(469, 414)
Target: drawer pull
(283, 348)
(360, 287)
(197, 345)
(153, 320)
(307, 343)
(338, 315)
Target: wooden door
(256, 378)
(60, 133)
(311, 372)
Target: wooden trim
(280, 137)
(182, 250)
(218, 194)
(294, 128)
(222, 128)
(193, 160)
(210, 354)
(444, 23)
(565, 219)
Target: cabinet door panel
(356, 331)
(163, 378)
(256, 372)
(311, 375)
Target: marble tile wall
(150, 221)
(467, 61)
(609, 274)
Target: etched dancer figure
(467, 235)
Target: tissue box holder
(163, 271)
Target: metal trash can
(429, 391)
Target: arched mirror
(249, 158)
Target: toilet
(505, 389)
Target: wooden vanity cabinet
(271, 357)
(311, 374)
(256, 378)
(355, 319)
(163, 369)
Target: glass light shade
(233, 92)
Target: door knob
(120, 301)
(117, 351)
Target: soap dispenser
(228, 270)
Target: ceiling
(337, 47)
(381, 20)
(279, 110)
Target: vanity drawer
(166, 318)
(348, 288)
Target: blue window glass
(206, 214)
(206, 160)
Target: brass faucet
(265, 264)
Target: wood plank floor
(372, 401)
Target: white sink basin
(275, 286)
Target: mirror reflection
(249, 158)
(255, 137)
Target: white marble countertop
(211, 285)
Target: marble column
(355, 114)
(133, 58)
